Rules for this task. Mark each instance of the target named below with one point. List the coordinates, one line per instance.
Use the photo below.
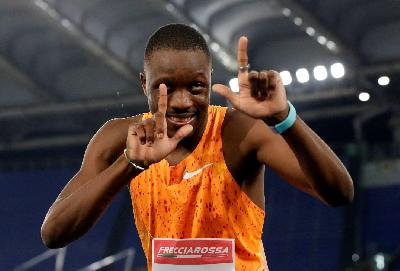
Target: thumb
(182, 133)
(227, 93)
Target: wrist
(277, 118)
(140, 165)
(285, 122)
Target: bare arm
(91, 190)
(105, 172)
(303, 159)
(298, 154)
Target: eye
(198, 87)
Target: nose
(180, 100)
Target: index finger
(162, 100)
(242, 58)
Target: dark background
(67, 66)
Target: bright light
(302, 75)
(170, 7)
(286, 77)
(215, 46)
(383, 80)
(234, 84)
(337, 70)
(355, 257)
(298, 21)
(66, 23)
(363, 96)
(42, 4)
(331, 45)
(321, 40)
(380, 261)
(310, 31)
(320, 73)
(286, 12)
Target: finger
(242, 58)
(162, 100)
(274, 79)
(253, 81)
(162, 109)
(227, 93)
(149, 131)
(182, 133)
(160, 125)
(132, 129)
(263, 84)
(140, 131)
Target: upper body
(198, 198)
(177, 82)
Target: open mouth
(181, 120)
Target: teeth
(181, 119)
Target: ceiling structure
(67, 66)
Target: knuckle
(253, 73)
(162, 104)
(253, 79)
(273, 73)
(263, 77)
(159, 115)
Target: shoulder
(110, 139)
(240, 128)
(246, 135)
(114, 127)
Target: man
(194, 170)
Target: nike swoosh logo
(189, 175)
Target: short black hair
(176, 37)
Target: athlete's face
(187, 75)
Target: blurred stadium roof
(67, 66)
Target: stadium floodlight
(322, 40)
(298, 21)
(364, 96)
(380, 261)
(302, 75)
(384, 80)
(286, 77)
(331, 45)
(215, 46)
(320, 73)
(310, 31)
(287, 12)
(337, 70)
(234, 84)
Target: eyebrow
(168, 79)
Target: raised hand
(148, 141)
(261, 93)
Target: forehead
(169, 60)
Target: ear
(143, 82)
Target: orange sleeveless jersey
(198, 198)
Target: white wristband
(130, 162)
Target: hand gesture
(261, 94)
(148, 141)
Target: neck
(191, 142)
(186, 146)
